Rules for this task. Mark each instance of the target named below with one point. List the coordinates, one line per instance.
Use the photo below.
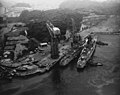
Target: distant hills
(22, 5)
(76, 4)
(36, 19)
(108, 7)
(6, 4)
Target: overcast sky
(42, 4)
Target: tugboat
(87, 53)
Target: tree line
(36, 22)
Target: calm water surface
(103, 80)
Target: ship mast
(76, 38)
(73, 30)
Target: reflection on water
(58, 83)
(109, 56)
(103, 80)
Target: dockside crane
(54, 33)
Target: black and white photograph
(59, 47)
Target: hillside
(109, 7)
(21, 5)
(112, 24)
(36, 21)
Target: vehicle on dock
(86, 53)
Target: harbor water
(93, 80)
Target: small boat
(86, 54)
